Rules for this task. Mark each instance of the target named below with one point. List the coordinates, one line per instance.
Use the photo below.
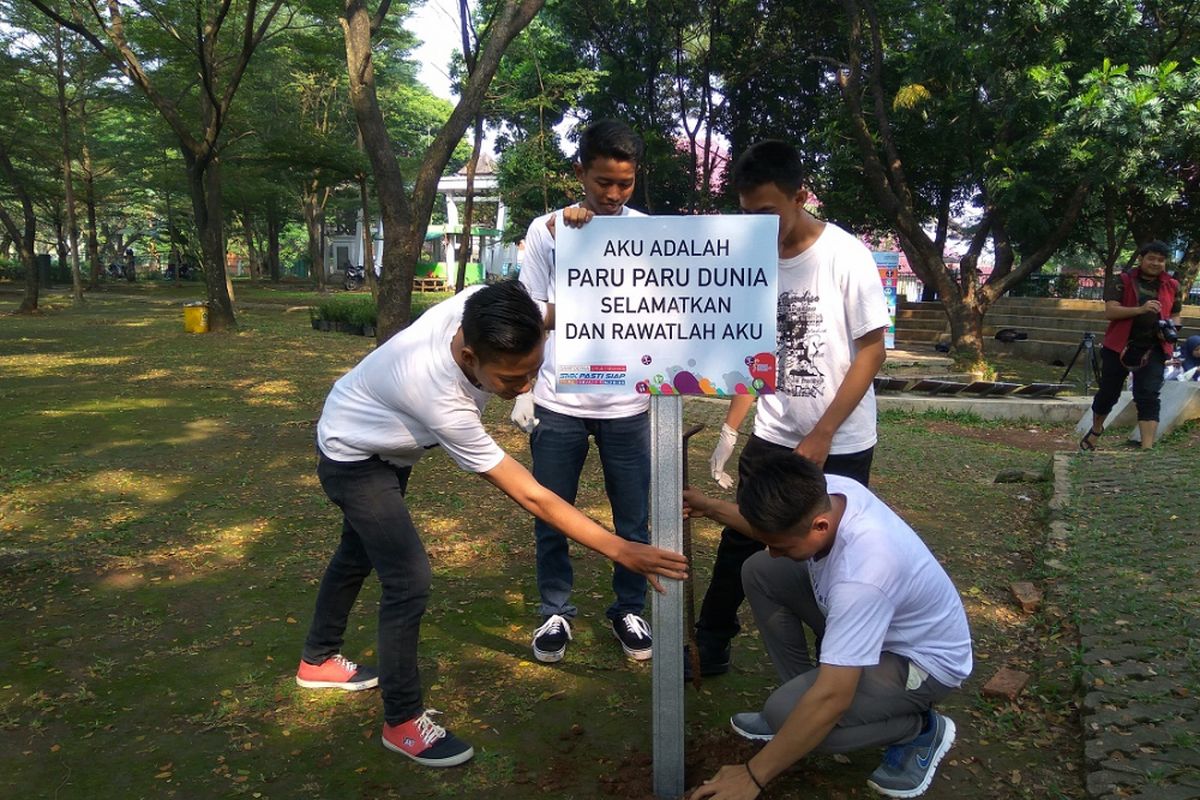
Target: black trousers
(1147, 383)
(377, 534)
(718, 622)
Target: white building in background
(344, 243)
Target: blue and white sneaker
(907, 769)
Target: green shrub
(352, 309)
(11, 269)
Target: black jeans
(718, 622)
(1147, 383)
(378, 533)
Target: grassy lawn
(162, 534)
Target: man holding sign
(560, 426)
(832, 318)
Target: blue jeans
(377, 533)
(559, 445)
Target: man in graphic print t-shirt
(832, 316)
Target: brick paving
(1127, 529)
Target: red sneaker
(426, 742)
(337, 672)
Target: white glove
(721, 454)
(522, 413)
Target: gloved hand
(522, 413)
(721, 454)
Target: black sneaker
(634, 635)
(713, 661)
(550, 640)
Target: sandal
(1088, 442)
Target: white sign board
(666, 305)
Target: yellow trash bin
(195, 317)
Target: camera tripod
(1091, 362)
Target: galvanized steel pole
(666, 526)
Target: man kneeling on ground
(890, 630)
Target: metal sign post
(666, 527)
(666, 307)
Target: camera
(1168, 331)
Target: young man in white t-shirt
(426, 387)
(832, 317)
(561, 425)
(891, 632)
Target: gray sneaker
(751, 725)
(907, 769)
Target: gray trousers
(885, 709)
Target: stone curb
(1138, 729)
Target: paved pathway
(1128, 525)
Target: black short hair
(501, 319)
(769, 161)
(782, 490)
(1154, 246)
(610, 138)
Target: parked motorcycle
(355, 278)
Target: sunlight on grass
(983, 611)
(154, 375)
(281, 393)
(27, 365)
(109, 406)
(127, 484)
(196, 431)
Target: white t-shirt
(829, 295)
(882, 590)
(409, 395)
(537, 274)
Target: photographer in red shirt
(1142, 309)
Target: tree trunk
(467, 240)
(61, 254)
(204, 182)
(405, 222)
(68, 183)
(368, 243)
(273, 267)
(1189, 267)
(29, 300)
(24, 237)
(93, 241)
(314, 222)
(251, 250)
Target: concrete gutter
(1053, 409)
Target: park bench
(429, 285)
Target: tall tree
(194, 34)
(406, 214)
(64, 117)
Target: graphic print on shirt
(801, 338)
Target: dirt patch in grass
(1038, 439)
